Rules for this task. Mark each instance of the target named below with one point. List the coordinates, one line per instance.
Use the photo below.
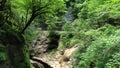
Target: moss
(4, 61)
(19, 57)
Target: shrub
(105, 43)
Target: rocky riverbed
(54, 58)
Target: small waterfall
(69, 16)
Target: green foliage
(15, 17)
(3, 55)
(74, 32)
(52, 52)
(19, 15)
(67, 27)
(103, 45)
(25, 11)
(98, 12)
(114, 62)
(97, 32)
(31, 34)
(65, 39)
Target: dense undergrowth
(96, 30)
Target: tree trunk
(28, 23)
(18, 56)
(13, 52)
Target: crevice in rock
(39, 63)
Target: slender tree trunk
(28, 23)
